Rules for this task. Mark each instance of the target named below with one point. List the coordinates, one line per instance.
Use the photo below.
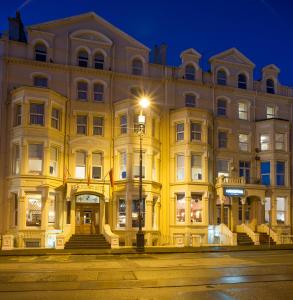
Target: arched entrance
(87, 213)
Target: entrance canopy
(87, 198)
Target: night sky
(261, 29)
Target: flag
(111, 175)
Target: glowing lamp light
(144, 102)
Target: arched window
(99, 60)
(82, 88)
(221, 77)
(190, 100)
(270, 86)
(137, 67)
(40, 52)
(82, 58)
(222, 107)
(98, 92)
(40, 81)
(242, 81)
(190, 72)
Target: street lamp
(144, 103)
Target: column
(222, 210)
(273, 220)
(45, 204)
(243, 201)
(148, 218)
(205, 208)
(22, 213)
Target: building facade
(216, 147)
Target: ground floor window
(281, 206)
(135, 212)
(52, 209)
(121, 213)
(34, 210)
(196, 208)
(180, 208)
(267, 209)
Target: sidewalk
(148, 250)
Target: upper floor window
(53, 161)
(81, 124)
(244, 170)
(222, 139)
(222, 107)
(80, 164)
(40, 52)
(190, 100)
(82, 88)
(99, 60)
(97, 164)
(264, 142)
(265, 171)
(82, 58)
(280, 141)
(271, 112)
(270, 85)
(180, 167)
(190, 72)
(195, 131)
(16, 159)
(196, 167)
(17, 116)
(122, 164)
(35, 158)
(221, 77)
(98, 92)
(280, 173)
(123, 124)
(138, 127)
(179, 132)
(137, 66)
(98, 126)
(136, 164)
(242, 111)
(40, 81)
(222, 167)
(55, 118)
(243, 142)
(242, 81)
(37, 114)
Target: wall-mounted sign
(87, 198)
(234, 192)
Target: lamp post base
(140, 241)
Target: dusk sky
(261, 29)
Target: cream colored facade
(65, 128)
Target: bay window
(180, 208)
(136, 164)
(196, 167)
(121, 222)
(34, 210)
(123, 165)
(281, 210)
(135, 212)
(180, 167)
(196, 208)
(37, 114)
(35, 158)
(53, 161)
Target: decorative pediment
(93, 36)
(190, 52)
(233, 56)
(271, 67)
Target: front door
(87, 219)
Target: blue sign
(234, 191)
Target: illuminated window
(135, 211)
(179, 132)
(81, 125)
(281, 210)
(82, 88)
(280, 141)
(265, 170)
(40, 52)
(98, 126)
(270, 86)
(180, 167)
(34, 210)
(98, 92)
(97, 165)
(123, 165)
(52, 209)
(271, 112)
(137, 67)
(137, 126)
(16, 159)
(222, 167)
(196, 167)
(264, 142)
(267, 209)
(242, 81)
(190, 72)
(242, 111)
(121, 213)
(35, 158)
(99, 61)
(243, 142)
(55, 118)
(180, 208)
(80, 164)
(195, 131)
(136, 164)
(196, 208)
(221, 77)
(37, 114)
(82, 58)
(40, 81)
(53, 161)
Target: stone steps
(244, 239)
(264, 239)
(86, 241)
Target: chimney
(163, 52)
(156, 54)
(16, 29)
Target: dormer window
(137, 67)
(190, 72)
(270, 86)
(221, 77)
(99, 61)
(83, 58)
(242, 81)
(40, 52)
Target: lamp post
(144, 103)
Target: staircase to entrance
(265, 239)
(243, 239)
(87, 241)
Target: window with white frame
(82, 91)
(99, 60)
(137, 126)
(16, 160)
(34, 210)
(196, 208)
(98, 126)
(136, 164)
(280, 141)
(180, 167)
(243, 142)
(40, 52)
(35, 157)
(123, 124)
(271, 112)
(40, 81)
(52, 208)
(264, 142)
(179, 132)
(222, 107)
(222, 167)
(281, 210)
(55, 118)
(53, 161)
(121, 222)
(137, 66)
(267, 210)
(242, 81)
(123, 165)
(242, 111)
(221, 77)
(37, 114)
(80, 164)
(195, 131)
(81, 124)
(97, 165)
(180, 207)
(17, 115)
(190, 100)
(196, 167)
(190, 72)
(98, 92)
(82, 58)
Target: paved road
(231, 275)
